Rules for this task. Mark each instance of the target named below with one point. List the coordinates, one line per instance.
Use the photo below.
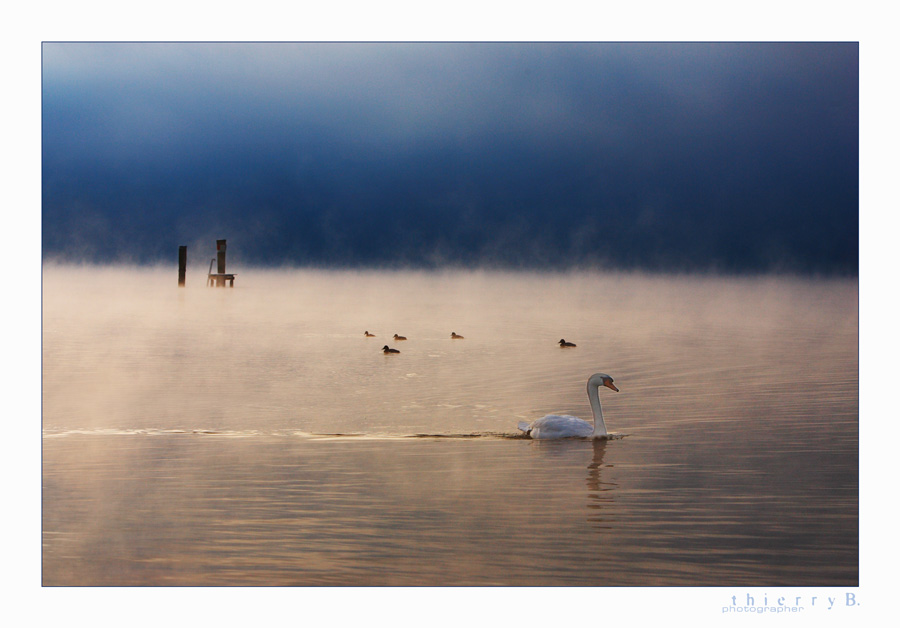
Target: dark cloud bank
(725, 157)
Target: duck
(396, 337)
(387, 350)
(453, 334)
(368, 335)
(563, 343)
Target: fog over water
(254, 435)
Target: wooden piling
(220, 262)
(220, 276)
(182, 264)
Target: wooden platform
(219, 279)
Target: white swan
(565, 426)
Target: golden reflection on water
(254, 435)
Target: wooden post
(220, 255)
(182, 264)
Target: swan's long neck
(593, 392)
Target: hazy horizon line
(237, 266)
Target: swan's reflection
(600, 493)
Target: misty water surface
(254, 435)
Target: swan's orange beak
(608, 383)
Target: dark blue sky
(727, 157)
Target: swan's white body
(566, 426)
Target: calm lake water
(253, 435)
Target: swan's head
(602, 379)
